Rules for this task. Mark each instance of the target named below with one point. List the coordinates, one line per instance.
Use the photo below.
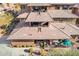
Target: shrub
(3, 26)
(4, 31)
(43, 52)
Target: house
(69, 29)
(59, 12)
(11, 6)
(45, 6)
(62, 6)
(63, 16)
(36, 28)
(75, 10)
(38, 6)
(22, 17)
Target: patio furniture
(67, 43)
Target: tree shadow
(26, 50)
(35, 52)
(4, 40)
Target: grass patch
(63, 52)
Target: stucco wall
(66, 20)
(22, 43)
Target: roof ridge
(72, 26)
(50, 16)
(16, 31)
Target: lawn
(63, 52)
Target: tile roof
(32, 33)
(36, 17)
(61, 14)
(67, 28)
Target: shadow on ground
(4, 40)
(34, 53)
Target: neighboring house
(38, 6)
(7, 6)
(24, 7)
(11, 6)
(63, 16)
(45, 6)
(1, 8)
(37, 27)
(75, 10)
(62, 6)
(59, 12)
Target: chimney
(75, 9)
(39, 13)
(39, 29)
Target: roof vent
(30, 34)
(62, 27)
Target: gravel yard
(5, 50)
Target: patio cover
(23, 15)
